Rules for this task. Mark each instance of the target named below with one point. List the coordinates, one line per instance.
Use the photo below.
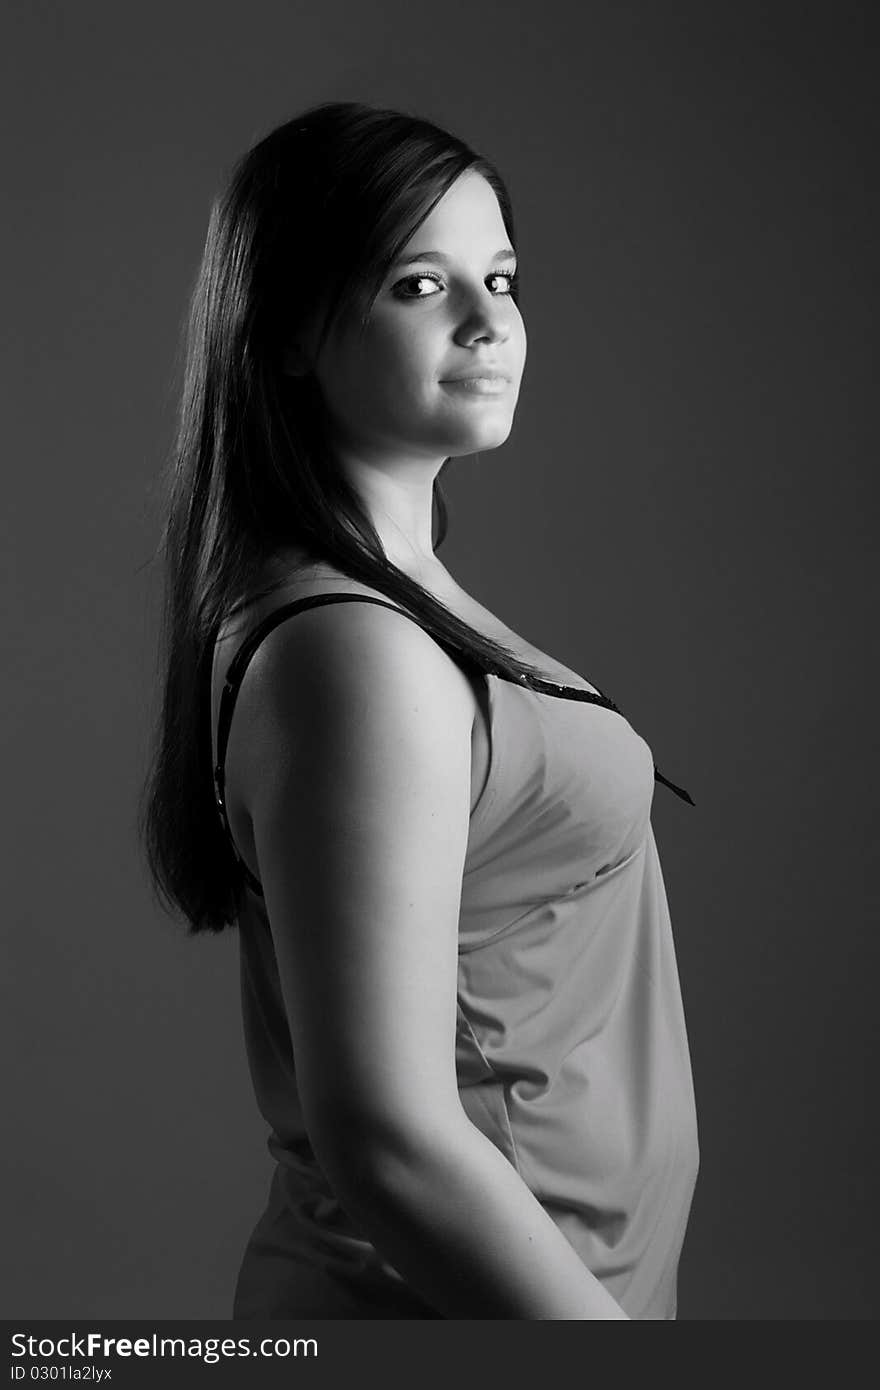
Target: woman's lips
(480, 385)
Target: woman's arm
(359, 792)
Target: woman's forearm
(458, 1223)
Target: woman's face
(444, 312)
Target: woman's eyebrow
(501, 255)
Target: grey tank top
(571, 1046)
(239, 664)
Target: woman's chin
(489, 435)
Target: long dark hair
(312, 217)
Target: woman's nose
(485, 319)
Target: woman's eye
(417, 280)
(425, 277)
(508, 275)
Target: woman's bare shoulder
(335, 676)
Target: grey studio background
(685, 513)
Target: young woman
(461, 1004)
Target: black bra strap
(679, 791)
(239, 663)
